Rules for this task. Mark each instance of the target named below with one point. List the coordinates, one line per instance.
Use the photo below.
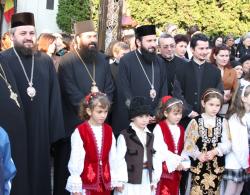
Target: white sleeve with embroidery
(224, 146)
(112, 162)
(76, 163)
(191, 137)
(121, 165)
(172, 160)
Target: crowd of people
(163, 115)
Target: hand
(211, 154)
(193, 114)
(119, 189)
(77, 193)
(202, 157)
(180, 167)
(152, 187)
(152, 119)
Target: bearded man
(40, 101)
(80, 72)
(140, 73)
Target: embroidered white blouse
(172, 160)
(76, 162)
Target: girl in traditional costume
(93, 150)
(237, 161)
(206, 143)
(170, 136)
(137, 166)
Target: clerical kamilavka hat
(84, 26)
(145, 30)
(22, 19)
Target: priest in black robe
(12, 119)
(81, 71)
(140, 73)
(39, 91)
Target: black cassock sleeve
(56, 124)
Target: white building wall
(45, 19)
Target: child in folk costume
(206, 142)
(137, 165)
(93, 150)
(7, 167)
(170, 136)
(237, 161)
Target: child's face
(246, 101)
(141, 121)
(173, 117)
(98, 115)
(212, 106)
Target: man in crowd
(197, 76)
(40, 100)
(140, 73)
(172, 62)
(81, 71)
(192, 80)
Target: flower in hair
(165, 99)
(91, 95)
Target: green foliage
(71, 11)
(212, 16)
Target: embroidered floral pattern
(106, 172)
(91, 174)
(208, 180)
(165, 191)
(206, 177)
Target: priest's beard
(148, 56)
(25, 51)
(88, 52)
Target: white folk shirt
(76, 162)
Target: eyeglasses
(172, 46)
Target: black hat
(139, 106)
(145, 30)
(235, 63)
(244, 58)
(22, 19)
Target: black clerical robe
(172, 66)
(131, 82)
(12, 119)
(76, 83)
(43, 115)
(194, 80)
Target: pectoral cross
(13, 96)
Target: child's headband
(165, 99)
(211, 92)
(90, 96)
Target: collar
(139, 130)
(198, 63)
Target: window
(50, 4)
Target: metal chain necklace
(13, 95)
(94, 88)
(31, 91)
(152, 92)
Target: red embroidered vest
(96, 166)
(168, 138)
